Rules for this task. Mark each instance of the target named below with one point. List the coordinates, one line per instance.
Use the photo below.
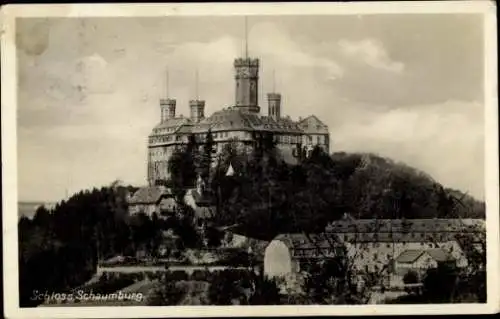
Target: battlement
(170, 102)
(248, 62)
(198, 103)
(273, 96)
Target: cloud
(371, 52)
(445, 140)
(280, 48)
(91, 75)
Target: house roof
(408, 225)
(439, 254)
(167, 202)
(311, 246)
(148, 195)
(411, 255)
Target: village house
(419, 260)
(149, 200)
(160, 200)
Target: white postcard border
(9, 152)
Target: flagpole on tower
(196, 84)
(246, 37)
(167, 84)
(274, 81)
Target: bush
(169, 294)
(200, 275)
(411, 277)
(109, 286)
(176, 275)
(440, 283)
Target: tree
(225, 287)
(181, 166)
(439, 283)
(214, 237)
(207, 156)
(169, 294)
(266, 292)
(42, 217)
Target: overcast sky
(408, 87)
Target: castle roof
(313, 125)
(171, 125)
(227, 119)
(267, 123)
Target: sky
(404, 86)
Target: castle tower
(274, 102)
(274, 105)
(197, 106)
(247, 80)
(167, 107)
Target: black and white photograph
(239, 155)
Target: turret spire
(274, 81)
(246, 37)
(167, 104)
(167, 85)
(197, 106)
(196, 85)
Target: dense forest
(59, 248)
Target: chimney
(167, 109)
(274, 105)
(197, 110)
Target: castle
(239, 123)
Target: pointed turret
(167, 105)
